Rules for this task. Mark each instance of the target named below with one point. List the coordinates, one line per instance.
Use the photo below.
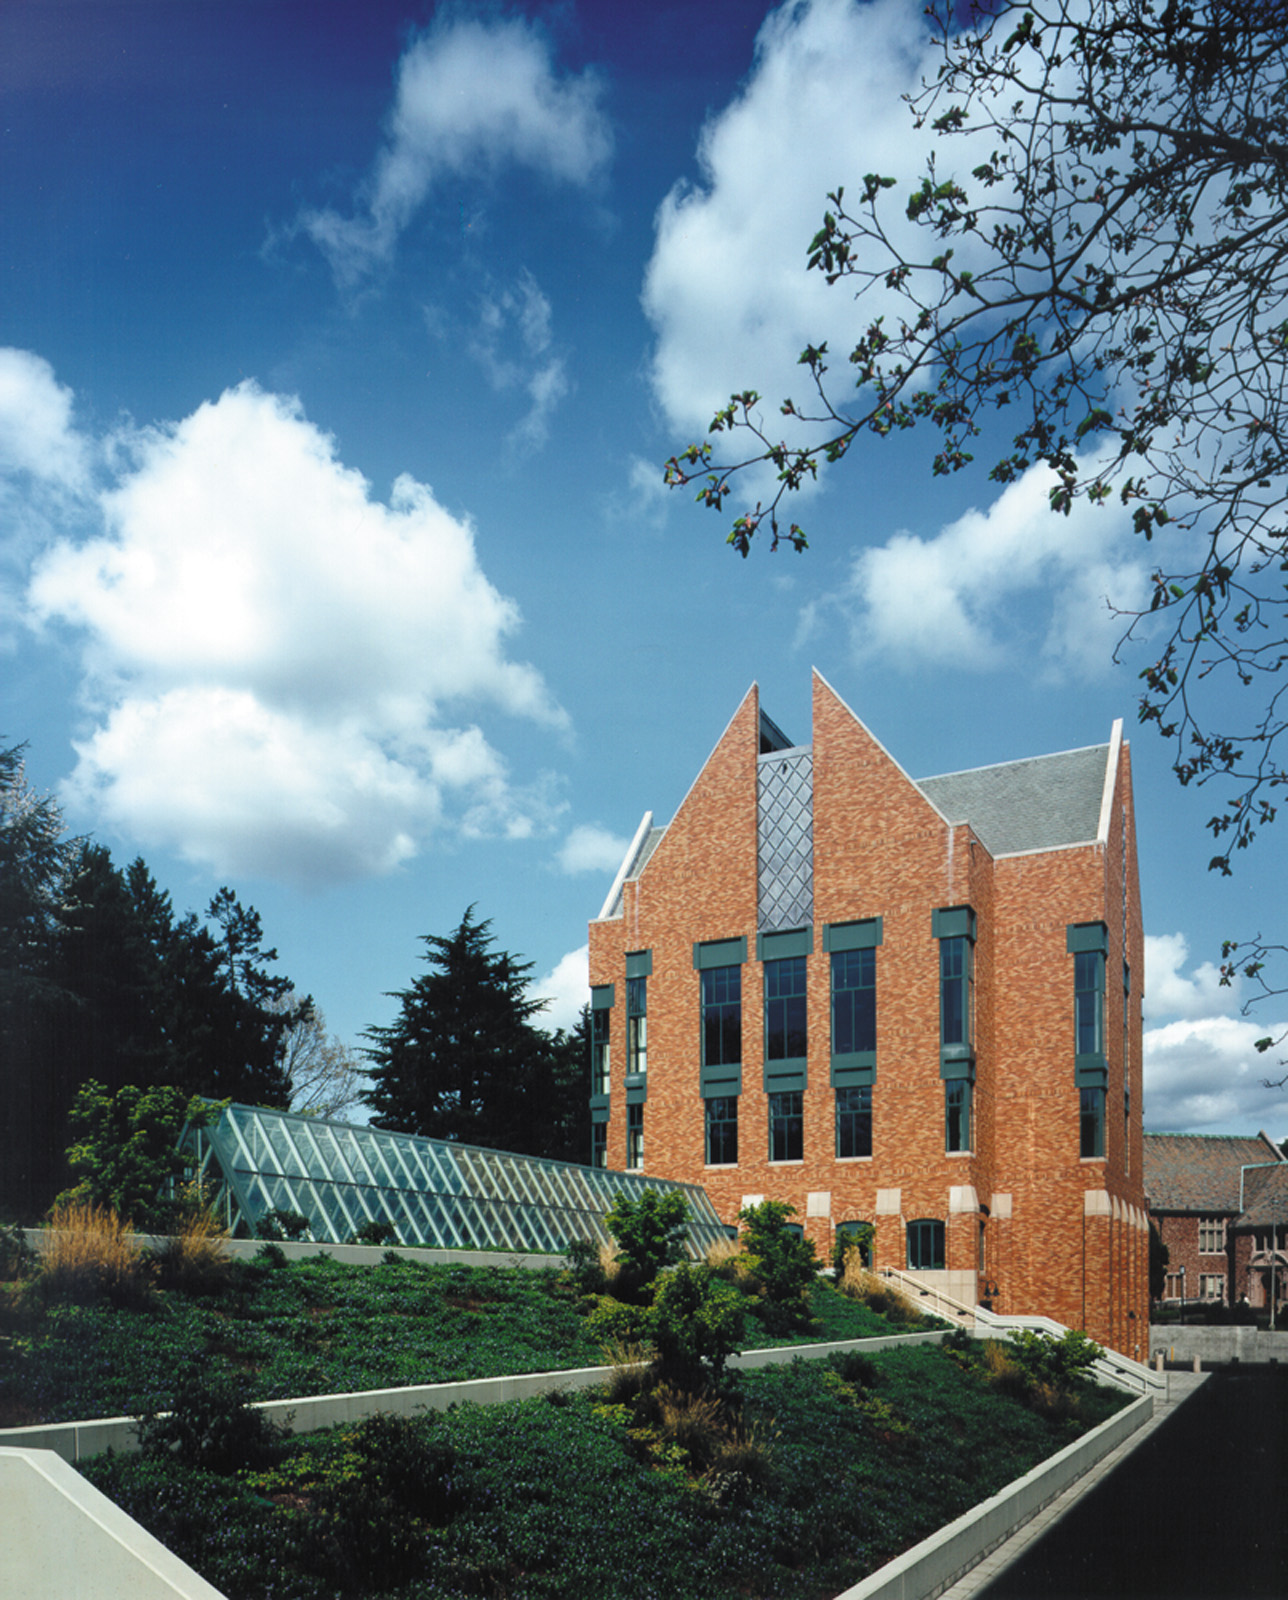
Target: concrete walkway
(1192, 1507)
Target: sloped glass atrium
(440, 1195)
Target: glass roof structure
(436, 1194)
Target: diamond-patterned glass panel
(785, 839)
(437, 1194)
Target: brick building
(909, 1004)
(1220, 1205)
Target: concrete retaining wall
(929, 1567)
(61, 1540)
(1215, 1346)
(75, 1441)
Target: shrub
(1057, 1361)
(89, 1257)
(193, 1258)
(17, 1258)
(584, 1266)
(271, 1255)
(784, 1266)
(860, 1283)
(374, 1231)
(209, 1425)
(699, 1322)
(277, 1225)
(649, 1232)
(613, 1323)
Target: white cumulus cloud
(1206, 1076)
(566, 990)
(727, 289)
(997, 586)
(276, 662)
(474, 94)
(590, 848)
(1170, 992)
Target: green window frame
(854, 1122)
(600, 1054)
(635, 1137)
(599, 1144)
(958, 1095)
(787, 1126)
(786, 1024)
(722, 1130)
(1091, 1122)
(637, 1027)
(926, 1245)
(854, 1002)
(721, 990)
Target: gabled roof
(1041, 803)
(1201, 1171)
(1265, 1197)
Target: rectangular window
(1212, 1235)
(787, 1126)
(722, 1017)
(634, 1137)
(599, 1063)
(785, 1037)
(722, 1130)
(854, 1001)
(957, 1098)
(925, 1245)
(636, 1026)
(1211, 1286)
(954, 991)
(599, 1144)
(853, 1122)
(1089, 1002)
(1091, 1141)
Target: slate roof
(1265, 1196)
(1037, 804)
(1200, 1171)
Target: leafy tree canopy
(1098, 249)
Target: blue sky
(341, 346)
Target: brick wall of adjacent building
(1063, 1236)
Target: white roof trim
(641, 833)
(1111, 778)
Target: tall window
(722, 1130)
(853, 1122)
(925, 1245)
(954, 991)
(636, 1025)
(634, 1137)
(721, 1016)
(599, 1064)
(1089, 1002)
(1091, 1136)
(1211, 1235)
(1126, 1067)
(957, 1098)
(599, 1144)
(785, 1036)
(854, 1001)
(787, 1125)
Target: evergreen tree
(464, 1061)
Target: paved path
(1193, 1507)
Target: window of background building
(860, 1231)
(599, 1062)
(636, 1025)
(722, 1016)
(722, 1130)
(599, 1144)
(785, 1031)
(787, 1126)
(853, 1122)
(957, 1106)
(1091, 1123)
(1212, 1235)
(1211, 1286)
(925, 1245)
(634, 1137)
(854, 1001)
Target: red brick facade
(1027, 1220)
